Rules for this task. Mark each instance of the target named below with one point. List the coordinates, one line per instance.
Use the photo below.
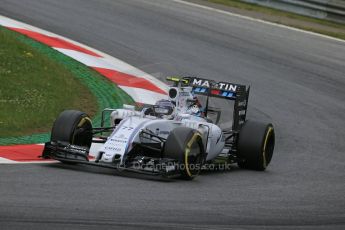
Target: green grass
(37, 83)
(105, 94)
(284, 14)
(34, 88)
(97, 91)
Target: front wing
(68, 153)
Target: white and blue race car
(175, 137)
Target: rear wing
(226, 90)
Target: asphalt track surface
(297, 82)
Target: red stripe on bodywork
(53, 41)
(22, 152)
(123, 79)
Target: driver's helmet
(164, 109)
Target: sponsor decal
(227, 86)
(201, 83)
(214, 85)
(120, 140)
(112, 148)
(242, 103)
(241, 112)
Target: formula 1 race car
(175, 137)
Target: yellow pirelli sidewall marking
(270, 129)
(82, 121)
(189, 145)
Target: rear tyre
(255, 145)
(185, 146)
(73, 127)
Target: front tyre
(185, 146)
(73, 127)
(255, 145)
